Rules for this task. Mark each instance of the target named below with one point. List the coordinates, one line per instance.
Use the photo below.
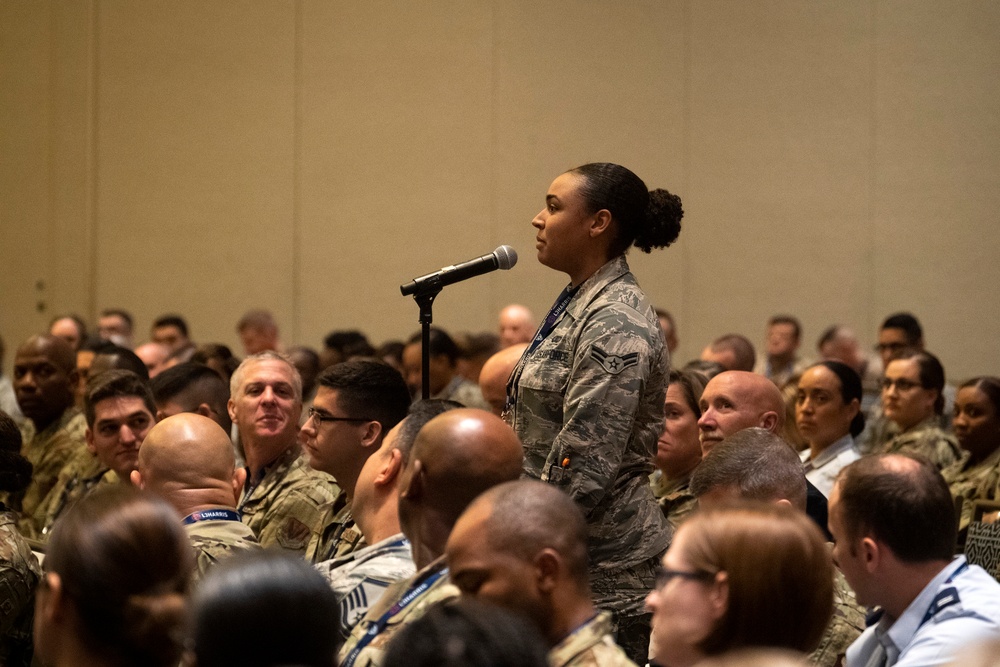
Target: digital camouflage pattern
(339, 536)
(374, 653)
(216, 539)
(972, 482)
(285, 509)
(81, 474)
(929, 441)
(588, 408)
(49, 451)
(847, 624)
(674, 497)
(19, 577)
(360, 578)
(591, 645)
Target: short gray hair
(236, 381)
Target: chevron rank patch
(355, 605)
(614, 363)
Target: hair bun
(663, 221)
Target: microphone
(503, 257)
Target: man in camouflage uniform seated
(188, 460)
(283, 497)
(456, 456)
(523, 545)
(754, 464)
(45, 378)
(356, 404)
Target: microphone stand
(424, 296)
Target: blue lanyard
(212, 515)
(380, 624)
(558, 308)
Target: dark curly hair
(644, 219)
(15, 470)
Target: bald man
(735, 400)
(188, 460)
(455, 457)
(517, 325)
(154, 356)
(493, 377)
(523, 545)
(45, 379)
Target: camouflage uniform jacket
(48, 451)
(339, 536)
(846, 625)
(285, 508)
(360, 578)
(590, 645)
(928, 440)
(465, 392)
(215, 539)
(588, 408)
(674, 497)
(19, 576)
(440, 591)
(81, 474)
(973, 482)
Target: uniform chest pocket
(547, 370)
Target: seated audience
(912, 400)
(344, 345)
(188, 461)
(218, 357)
(306, 362)
(738, 576)
(445, 382)
(44, 381)
(523, 545)
(115, 575)
(678, 451)
(115, 326)
(171, 331)
(264, 609)
(733, 352)
(839, 343)
(780, 363)
(977, 428)
(755, 464)
(192, 387)
(19, 571)
(258, 332)
(893, 520)
(828, 414)
(455, 457)
(467, 634)
(8, 399)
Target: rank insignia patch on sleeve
(614, 363)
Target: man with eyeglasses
(356, 404)
(912, 399)
(283, 497)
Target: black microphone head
(506, 257)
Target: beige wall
(836, 160)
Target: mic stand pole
(425, 300)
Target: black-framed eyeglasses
(322, 417)
(664, 576)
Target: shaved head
(456, 456)
(735, 400)
(53, 348)
(188, 456)
(496, 370)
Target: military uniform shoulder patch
(614, 363)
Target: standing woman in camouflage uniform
(586, 399)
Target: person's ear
(205, 410)
(136, 478)
(390, 467)
(871, 553)
(547, 565)
(769, 421)
(372, 433)
(239, 479)
(602, 220)
(413, 487)
(783, 501)
(231, 408)
(89, 436)
(49, 602)
(718, 595)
